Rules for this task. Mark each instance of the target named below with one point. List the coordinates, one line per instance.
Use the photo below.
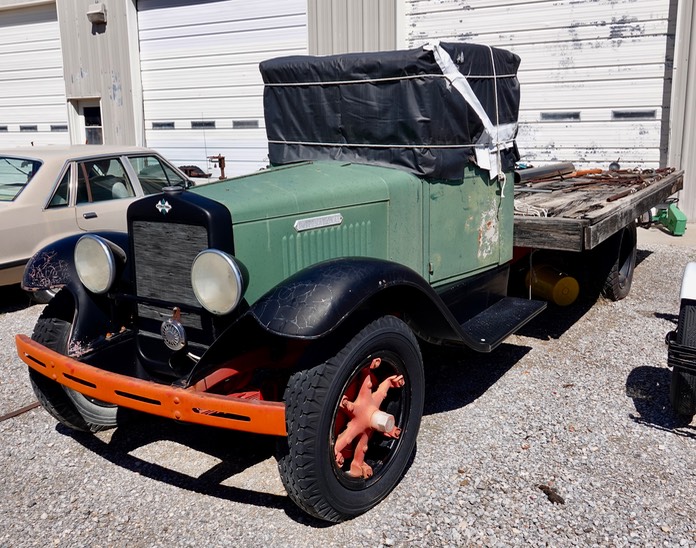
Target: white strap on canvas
(494, 137)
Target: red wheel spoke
(362, 417)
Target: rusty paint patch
(488, 234)
(77, 349)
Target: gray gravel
(577, 403)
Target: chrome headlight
(217, 281)
(95, 263)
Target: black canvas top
(391, 108)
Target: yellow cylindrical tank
(552, 285)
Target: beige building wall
(100, 64)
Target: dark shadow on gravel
(237, 451)
(556, 320)
(455, 378)
(672, 318)
(13, 298)
(648, 387)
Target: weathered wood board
(578, 212)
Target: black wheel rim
(381, 448)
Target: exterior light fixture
(96, 13)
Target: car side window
(60, 196)
(102, 179)
(154, 174)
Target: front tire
(337, 463)
(71, 408)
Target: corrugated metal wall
(32, 95)
(202, 90)
(340, 26)
(592, 73)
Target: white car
(50, 192)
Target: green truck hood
(301, 189)
(379, 209)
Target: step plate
(491, 327)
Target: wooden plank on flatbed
(549, 233)
(605, 223)
(579, 213)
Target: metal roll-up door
(32, 90)
(202, 91)
(594, 75)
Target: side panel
(471, 224)
(271, 250)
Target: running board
(487, 330)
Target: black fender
(313, 302)
(53, 267)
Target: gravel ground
(577, 402)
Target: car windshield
(15, 173)
(155, 174)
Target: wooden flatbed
(578, 211)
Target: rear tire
(618, 258)
(320, 464)
(71, 408)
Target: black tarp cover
(391, 108)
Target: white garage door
(592, 74)
(202, 90)
(32, 92)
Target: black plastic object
(392, 108)
(682, 360)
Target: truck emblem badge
(324, 221)
(163, 206)
(173, 333)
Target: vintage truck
(293, 302)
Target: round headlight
(217, 281)
(95, 263)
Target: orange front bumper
(187, 405)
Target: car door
(40, 214)
(103, 192)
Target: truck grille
(164, 253)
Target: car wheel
(73, 409)
(352, 422)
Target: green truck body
(385, 213)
